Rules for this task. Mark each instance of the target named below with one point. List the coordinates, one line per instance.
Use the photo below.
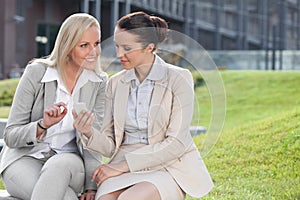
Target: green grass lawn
(257, 161)
(251, 96)
(4, 111)
(257, 155)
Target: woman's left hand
(106, 171)
(83, 122)
(88, 195)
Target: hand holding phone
(78, 107)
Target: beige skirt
(162, 179)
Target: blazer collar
(156, 73)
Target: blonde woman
(43, 157)
(148, 110)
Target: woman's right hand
(83, 122)
(54, 114)
(106, 171)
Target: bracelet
(39, 124)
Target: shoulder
(178, 74)
(118, 76)
(35, 70)
(172, 70)
(32, 76)
(114, 80)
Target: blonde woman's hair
(68, 36)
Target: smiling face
(131, 52)
(86, 52)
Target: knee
(107, 197)
(64, 162)
(110, 196)
(143, 190)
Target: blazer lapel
(50, 92)
(159, 89)
(120, 109)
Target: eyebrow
(89, 42)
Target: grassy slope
(256, 156)
(252, 95)
(258, 161)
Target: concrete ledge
(5, 196)
(196, 130)
(2, 126)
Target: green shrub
(7, 91)
(198, 79)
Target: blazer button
(29, 143)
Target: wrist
(89, 133)
(90, 191)
(123, 166)
(42, 125)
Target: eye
(97, 44)
(126, 48)
(84, 45)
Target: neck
(71, 75)
(143, 70)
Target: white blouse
(61, 136)
(139, 99)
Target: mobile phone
(79, 107)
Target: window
(45, 38)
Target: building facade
(29, 27)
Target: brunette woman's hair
(150, 29)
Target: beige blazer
(31, 98)
(170, 142)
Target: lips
(124, 62)
(91, 59)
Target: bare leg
(111, 196)
(143, 190)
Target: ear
(150, 47)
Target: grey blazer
(31, 98)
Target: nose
(119, 52)
(95, 51)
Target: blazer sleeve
(177, 136)
(103, 140)
(93, 159)
(20, 130)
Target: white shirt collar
(51, 74)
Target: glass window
(45, 38)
